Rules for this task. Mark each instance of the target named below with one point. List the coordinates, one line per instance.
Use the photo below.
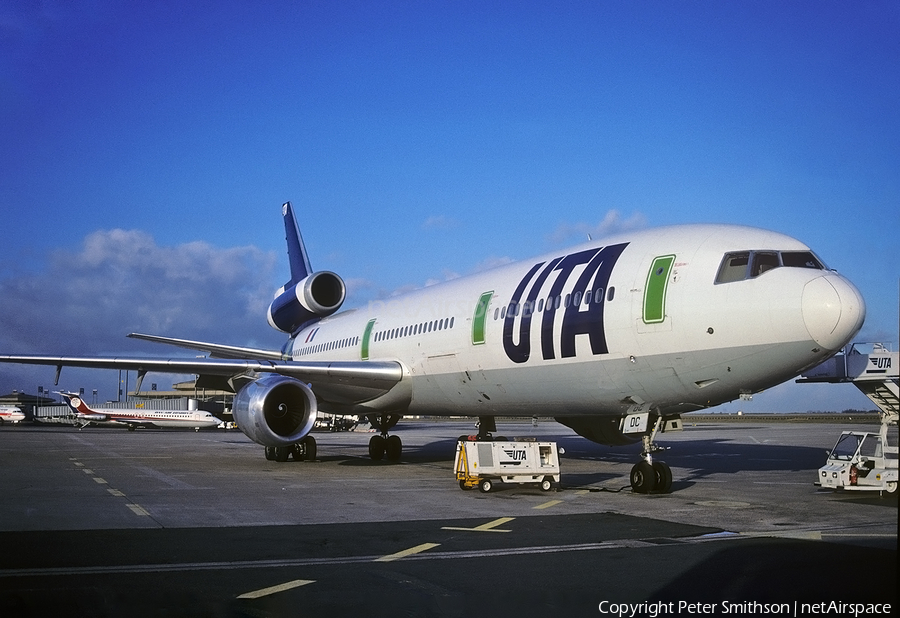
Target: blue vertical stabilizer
(297, 256)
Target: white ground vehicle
(483, 463)
(864, 461)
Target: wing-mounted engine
(275, 410)
(604, 430)
(316, 296)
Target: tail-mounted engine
(275, 410)
(316, 296)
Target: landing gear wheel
(546, 484)
(311, 448)
(270, 453)
(393, 448)
(663, 477)
(485, 485)
(282, 453)
(376, 448)
(643, 478)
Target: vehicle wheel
(643, 478)
(270, 453)
(663, 477)
(485, 485)
(376, 448)
(890, 487)
(393, 448)
(463, 486)
(311, 448)
(546, 484)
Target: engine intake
(316, 296)
(275, 410)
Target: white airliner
(11, 415)
(615, 338)
(135, 418)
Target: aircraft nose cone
(833, 310)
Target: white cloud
(119, 281)
(612, 223)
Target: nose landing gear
(648, 475)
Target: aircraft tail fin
(299, 259)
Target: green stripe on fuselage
(367, 334)
(480, 318)
(655, 290)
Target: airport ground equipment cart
(864, 461)
(481, 463)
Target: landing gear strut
(382, 444)
(648, 475)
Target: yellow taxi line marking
(547, 505)
(274, 589)
(491, 526)
(407, 552)
(100, 481)
(137, 510)
(116, 493)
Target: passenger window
(763, 262)
(734, 267)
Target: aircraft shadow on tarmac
(784, 571)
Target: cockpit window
(734, 267)
(742, 265)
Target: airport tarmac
(107, 522)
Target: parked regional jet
(134, 418)
(11, 415)
(614, 338)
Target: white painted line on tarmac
(116, 493)
(264, 592)
(137, 510)
(418, 549)
(100, 481)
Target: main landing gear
(648, 475)
(382, 444)
(305, 450)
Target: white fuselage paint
(712, 343)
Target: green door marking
(480, 317)
(367, 334)
(655, 290)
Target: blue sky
(145, 149)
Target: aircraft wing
(355, 381)
(215, 350)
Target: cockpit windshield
(741, 265)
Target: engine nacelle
(318, 295)
(275, 410)
(600, 429)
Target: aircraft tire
(485, 485)
(663, 477)
(270, 453)
(282, 453)
(311, 448)
(643, 478)
(376, 448)
(393, 448)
